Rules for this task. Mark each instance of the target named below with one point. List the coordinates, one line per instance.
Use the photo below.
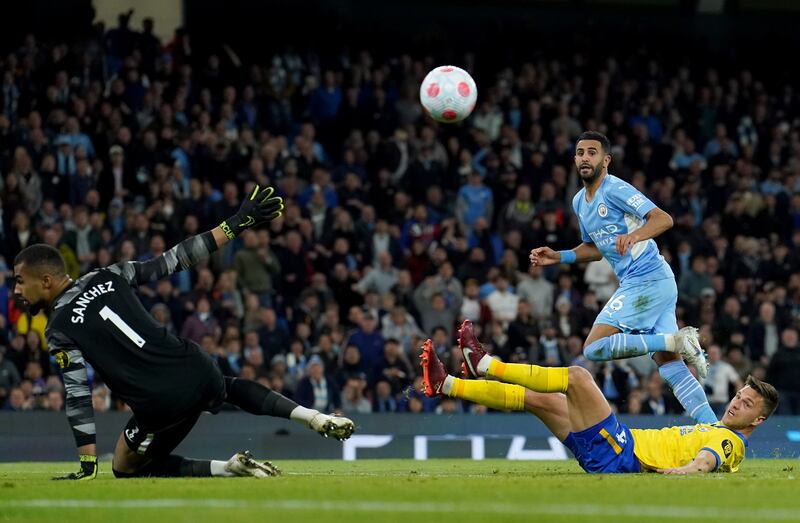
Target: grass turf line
(396, 490)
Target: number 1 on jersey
(108, 314)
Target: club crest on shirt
(727, 447)
(602, 210)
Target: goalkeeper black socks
(257, 399)
(171, 467)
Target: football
(448, 94)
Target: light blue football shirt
(619, 208)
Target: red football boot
(471, 349)
(433, 372)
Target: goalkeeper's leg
(257, 399)
(140, 453)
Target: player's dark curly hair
(41, 258)
(600, 137)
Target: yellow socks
(493, 394)
(534, 377)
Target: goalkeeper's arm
(78, 403)
(261, 206)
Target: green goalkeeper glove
(260, 207)
(88, 469)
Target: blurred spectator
(353, 400)
(383, 401)
(55, 401)
(368, 340)
(566, 321)
(101, 398)
(295, 267)
(315, 391)
(256, 266)
(763, 337)
(380, 279)
(9, 376)
(401, 326)
(693, 281)
(474, 201)
(17, 401)
(616, 380)
(483, 237)
(200, 323)
(413, 400)
(721, 381)
(502, 301)
(729, 320)
(519, 212)
(393, 367)
(600, 278)
(783, 372)
(433, 309)
(272, 335)
(350, 365)
(537, 291)
(161, 315)
(656, 400)
(739, 361)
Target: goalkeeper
(167, 381)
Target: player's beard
(591, 178)
(32, 308)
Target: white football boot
(243, 464)
(337, 427)
(688, 345)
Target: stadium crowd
(396, 228)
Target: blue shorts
(606, 447)
(646, 307)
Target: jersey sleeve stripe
(182, 256)
(79, 399)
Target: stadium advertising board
(45, 436)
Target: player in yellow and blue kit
(570, 404)
(618, 223)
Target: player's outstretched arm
(260, 206)
(705, 461)
(658, 221)
(585, 252)
(80, 412)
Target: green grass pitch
(405, 490)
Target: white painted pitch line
(639, 511)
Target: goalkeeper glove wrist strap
(233, 226)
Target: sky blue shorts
(646, 307)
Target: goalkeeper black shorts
(152, 435)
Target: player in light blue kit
(618, 223)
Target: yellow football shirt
(677, 446)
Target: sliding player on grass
(618, 223)
(166, 380)
(570, 404)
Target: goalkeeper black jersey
(100, 320)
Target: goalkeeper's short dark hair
(600, 137)
(41, 258)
